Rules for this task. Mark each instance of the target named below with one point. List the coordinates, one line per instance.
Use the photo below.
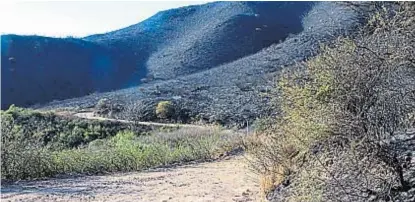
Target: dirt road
(226, 180)
(90, 115)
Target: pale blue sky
(77, 18)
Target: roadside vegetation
(49, 130)
(344, 133)
(38, 145)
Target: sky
(77, 18)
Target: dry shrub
(271, 179)
(345, 117)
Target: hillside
(171, 44)
(39, 69)
(191, 39)
(230, 93)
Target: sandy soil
(225, 180)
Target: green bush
(164, 109)
(57, 132)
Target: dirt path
(90, 115)
(226, 180)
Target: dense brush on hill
(229, 92)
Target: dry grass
(273, 178)
(124, 152)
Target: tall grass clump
(343, 133)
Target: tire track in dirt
(226, 180)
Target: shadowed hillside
(171, 44)
(39, 69)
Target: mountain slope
(186, 40)
(230, 93)
(171, 44)
(38, 69)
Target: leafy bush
(164, 109)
